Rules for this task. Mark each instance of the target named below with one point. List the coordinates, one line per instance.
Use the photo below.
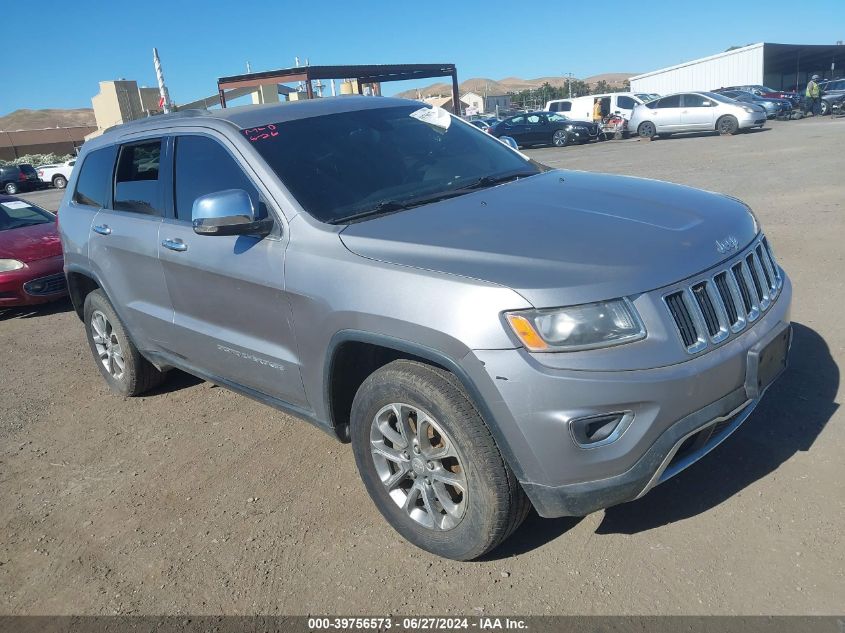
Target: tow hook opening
(597, 430)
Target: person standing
(597, 114)
(812, 97)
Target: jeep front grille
(710, 310)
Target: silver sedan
(695, 112)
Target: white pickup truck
(57, 175)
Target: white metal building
(778, 66)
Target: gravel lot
(196, 500)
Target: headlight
(10, 264)
(748, 108)
(586, 326)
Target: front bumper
(668, 406)
(37, 282)
(583, 134)
(753, 119)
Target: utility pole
(162, 89)
(569, 82)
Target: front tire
(431, 465)
(59, 182)
(119, 361)
(647, 129)
(825, 108)
(11, 188)
(727, 125)
(560, 138)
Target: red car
(31, 262)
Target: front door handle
(175, 245)
(102, 229)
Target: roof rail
(181, 114)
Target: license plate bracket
(767, 360)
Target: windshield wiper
(489, 181)
(390, 206)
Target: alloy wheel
(419, 466)
(109, 349)
(559, 138)
(647, 130)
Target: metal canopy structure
(366, 74)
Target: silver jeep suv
(489, 334)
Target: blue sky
(63, 57)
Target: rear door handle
(175, 245)
(102, 229)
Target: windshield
(381, 159)
(16, 214)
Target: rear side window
(28, 169)
(204, 166)
(696, 101)
(626, 103)
(136, 182)
(92, 186)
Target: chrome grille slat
(709, 310)
(738, 302)
(754, 311)
(697, 318)
(757, 267)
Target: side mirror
(227, 212)
(510, 142)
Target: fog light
(597, 430)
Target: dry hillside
(39, 119)
(480, 85)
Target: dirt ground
(196, 500)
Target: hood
(563, 237)
(30, 243)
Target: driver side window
(669, 102)
(204, 166)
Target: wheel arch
(347, 344)
(80, 284)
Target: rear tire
(727, 125)
(119, 361)
(413, 428)
(647, 129)
(825, 108)
(59, 182)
